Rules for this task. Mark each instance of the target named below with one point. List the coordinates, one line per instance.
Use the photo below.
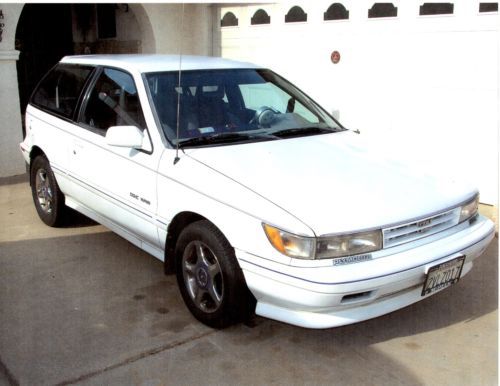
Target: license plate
(443, 275)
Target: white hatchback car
(257, 196)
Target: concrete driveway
(80, 305)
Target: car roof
(157, 63)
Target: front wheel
(210, 280)
(48, 199)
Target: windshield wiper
(221, 138)
(304, 130)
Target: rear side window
(59, 91)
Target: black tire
(209, 277)
(48, 198)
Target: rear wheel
(209, 278)
(48, 198)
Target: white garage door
(418, 77)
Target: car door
(117, 183)
(49, 116)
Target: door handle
(77, 146)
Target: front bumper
(306, 297)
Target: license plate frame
(443, 275)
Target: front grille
(420, 228)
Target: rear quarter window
(59, 90)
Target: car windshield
(236, 105)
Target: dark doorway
(44, 36)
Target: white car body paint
(309, 186)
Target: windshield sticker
(206, 130)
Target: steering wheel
(264, 116)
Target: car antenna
(176, 159)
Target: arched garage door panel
(423, 85)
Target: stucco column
(11, 161)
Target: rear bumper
(304, 296)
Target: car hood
(333, 183)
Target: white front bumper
(303, 296)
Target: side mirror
(124, 136)
(336, 114)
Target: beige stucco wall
(11, 161)
(194, 38)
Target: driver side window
(113, 102)
(258, 95)
(263, 94)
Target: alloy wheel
(203, 276)
(44, 191)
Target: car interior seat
(211, 110)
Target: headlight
(323, 247)
(290, 244)
(469, 209)
(348, 245)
